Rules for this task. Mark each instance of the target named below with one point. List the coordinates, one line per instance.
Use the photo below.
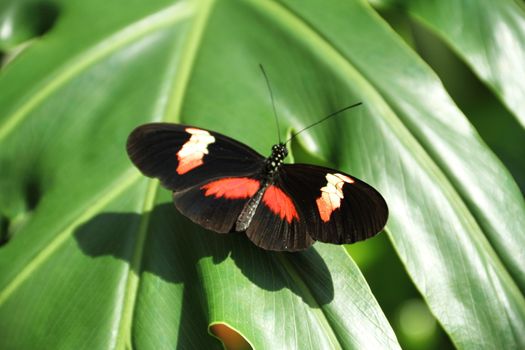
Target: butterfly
(225, 186)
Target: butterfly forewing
(183, 156)
(211, 175)
(338, 208)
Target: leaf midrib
(155, 21)
(171, 114)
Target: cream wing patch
(331, 195)
(192, 152)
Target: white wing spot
(331, 194)
(191, 154)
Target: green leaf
(488, 35)
(98, 258)
(492, 45)
(452, 258)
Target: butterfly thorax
(275, 160)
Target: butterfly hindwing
(184, 156)
(278, 223)
(216, 205)
(337, 207)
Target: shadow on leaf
(173, 248)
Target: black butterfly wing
(336, 207)
(278, 223)
(211, 175)
(183, 156)
(216, 204)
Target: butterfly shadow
(168, 245)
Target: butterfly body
(272, 165)
(225, 186)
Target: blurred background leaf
(94, 256)
(488, 35)
(498, 127)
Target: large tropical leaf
(492, 42)
(96, 256)
(488, 35)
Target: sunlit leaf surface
(97, 256)
(489, 35)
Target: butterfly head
(279, 151)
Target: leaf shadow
(177, 250)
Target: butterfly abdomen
(247, 213)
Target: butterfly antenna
(273, 102)
(325, 118)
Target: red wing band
(280, 203)
(232, 188)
